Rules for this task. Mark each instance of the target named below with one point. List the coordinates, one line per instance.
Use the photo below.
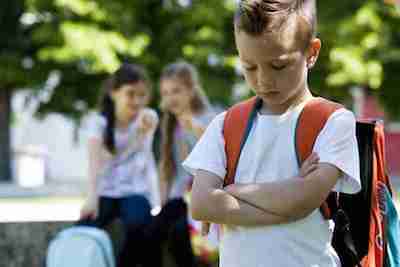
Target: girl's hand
(186, 120)
(309, 165)
(165, 104)
(147, 121)
(90, 209)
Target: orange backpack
(363, 244)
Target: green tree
(361, 47)
(81, 41)
(15, 50)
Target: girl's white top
(132, 170)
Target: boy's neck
(301, 97)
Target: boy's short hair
(256, 17)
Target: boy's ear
(313, 52)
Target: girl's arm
(164, 189)
(147, 124)
(153, 180)
(95, 150)
(211, 203)
(152, 173)
(191, 125)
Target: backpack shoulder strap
(237, 125)
(311, 121)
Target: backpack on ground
(359, 236)
(81, 246)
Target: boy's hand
(309, 165)
(205, 228)
(147, 121)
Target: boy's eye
(176, 90)
(249, 68)
(130, 94)
(279, 67)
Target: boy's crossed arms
(259, 204)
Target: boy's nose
(265, 85)
(136, 101)
(264, 82)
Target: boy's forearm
(223, 208)
(295, 197)
(277, 198)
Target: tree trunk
(5, 148)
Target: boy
(271, 213)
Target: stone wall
(25, 244)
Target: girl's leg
(171, 226)
(135, 211)
(162, 224)
(108, 211)
(135, 214)
(179, 242)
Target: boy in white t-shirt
(270, 214)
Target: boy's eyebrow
(245, 61)
(282, 58)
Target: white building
(51, 141)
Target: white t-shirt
(132, 170)
(269, 155)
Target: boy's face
(275, 65)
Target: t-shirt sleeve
(96, 126)
(337, 145)
(209, 152)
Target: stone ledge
(25, 244)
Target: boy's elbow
(204, 199)
(197, 213)
(198, 208)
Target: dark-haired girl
(122, 169)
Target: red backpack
(358, 237)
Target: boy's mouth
(270, 93)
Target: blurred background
(54, 55)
